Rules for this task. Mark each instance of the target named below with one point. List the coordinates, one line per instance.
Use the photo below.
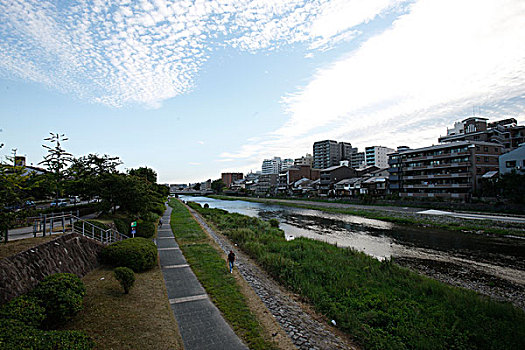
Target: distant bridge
(192, 192)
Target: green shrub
(61, 296)
(159, 208)
(145, 229)
(16, 335)
(139, 254)
(274, 223)
(126, 277)
(123, 225)
(25, 309)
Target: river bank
(376, 302)
(400, 215)
(489, 264)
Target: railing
(70, 223)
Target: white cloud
(120, 53)
(433, 63)
(405, 85)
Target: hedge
(146, 229)
(139, 254)
(16, 335)
(25, 309)
(61, 296)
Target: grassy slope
(212, 272)
(378, 303)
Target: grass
(141, 319)
(486, 226)
(380, 304)
(211, 270)
(20, 245)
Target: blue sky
(194, 88)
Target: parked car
(30, 204)
(59, 203)
(74, 199)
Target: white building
(271, 166)
(304, 160)
(378, 156)
(513, 161)
(287, 163)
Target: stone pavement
(200, 322)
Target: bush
(274, 223)
(61, 296)
(25, 309)
(145, 229)
(139, 254)
(126, 277)
(123, 225)
(16, 335)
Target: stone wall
(69, 253)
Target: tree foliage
(218, 186)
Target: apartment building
(505, 132)
(271, 166)
(449, 170)
(304, 160)
(377, 156)
(329, 153)
(326, 154)
(229, 178)
(286, 163)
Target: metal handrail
(104, 236)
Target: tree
(512, 187)
(56, 161)
(146, 173)
(217, 186)
(86, 172)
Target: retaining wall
(69, 253)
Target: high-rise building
(326, 154)
(271, 166)
(378, 156)
(357, 160)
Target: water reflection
(380, 239)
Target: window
(478, 159)
(486, 149)
(486, 159)
(477, 148)
(510, 164)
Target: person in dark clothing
(231, 260)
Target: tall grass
(211, 270)
(380, 304)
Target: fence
(47, 224)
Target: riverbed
(493, 266)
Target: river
(490, 265)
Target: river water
(491, 265)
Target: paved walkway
(200, 322)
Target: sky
(194, 88)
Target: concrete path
(200, 322)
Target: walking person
(160, 223)
(231, 260)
